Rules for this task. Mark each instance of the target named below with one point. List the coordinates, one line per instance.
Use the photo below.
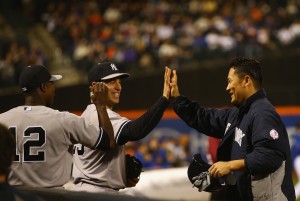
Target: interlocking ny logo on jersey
(239, 136)
(113, 67)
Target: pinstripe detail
(120, 129)
(99, 139)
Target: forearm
(223, 168)
(105, 123)
(211, 122)
(139, 128)
(237, 165)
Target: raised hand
(167, 88)
(99, 96)
(174, 86)
(99, 93)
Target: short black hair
(247, 66)
(7, 149)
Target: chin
(234, 102)
(114, 103)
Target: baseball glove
(133, 167)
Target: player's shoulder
(89, 110)
(115, 116)
(12, 111)
(263, 107)
(59, 115)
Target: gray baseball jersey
(44, 137)
(101, 168)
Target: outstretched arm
(99, 93)
(142, 126)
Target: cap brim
(121, 75)
(55, 77)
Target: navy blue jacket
(254, 132)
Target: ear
(248, 80)
(43, 87)
(93, 84)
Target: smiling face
(236, 87)
(114, 91)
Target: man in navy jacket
(254, 142)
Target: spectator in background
(7, 154)
(14, 57)
(149, 29)
(296, 158)
(144, 155)
(140, 32)
(158, 152)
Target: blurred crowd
(148, 35)
(161, 152)
(15, 55)
(154, 33)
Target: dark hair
(7, 149)
(247, 66)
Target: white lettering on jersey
(228, 125)
(78, 149)
(113, 67)
(274, 134)
(239, 136)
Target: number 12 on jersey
(32, 149)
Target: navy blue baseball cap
(105, 71)
(33, 76)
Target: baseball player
(99, 171)
(44, 136)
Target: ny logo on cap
(24, 88)
(113, 67)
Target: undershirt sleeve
(142, 126)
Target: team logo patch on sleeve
(274, 134)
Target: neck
(34, 100)
(251, 92)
